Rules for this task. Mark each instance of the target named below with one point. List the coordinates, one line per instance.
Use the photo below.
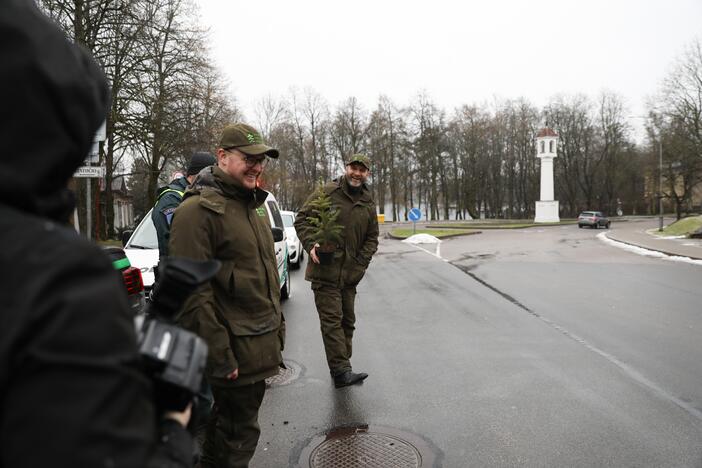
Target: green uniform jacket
(359, 237)
(238, 312)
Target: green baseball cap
(360, 159)
(246, 139)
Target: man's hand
(233, 375)
(182, 417)
(313, 254)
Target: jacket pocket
(354, 272)
(257, 353)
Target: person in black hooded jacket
(71, 392)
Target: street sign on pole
(94, 153)
(414, 215)
(101, 133)
(90, 171)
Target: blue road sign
(414, 214)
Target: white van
(142, 248)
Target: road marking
(430, 253)
(625, 368)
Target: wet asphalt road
(537, 347)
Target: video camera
(174, 356)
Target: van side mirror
(277, 234)
(125, 237)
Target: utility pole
(660, 185)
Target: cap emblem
(253, 138)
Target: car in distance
(295, 250)
(593, 219)
(141, 248)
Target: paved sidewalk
(634, 232)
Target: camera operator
(72, 393)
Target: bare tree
(270, 113)
(571, 119)
(109, 29)
(172, 63)
(468, 140)
(682, 96)
(387, 141)
(429, 145)
(612, 144)
(348, 131)
(680, 127)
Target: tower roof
(546, 132)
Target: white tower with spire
(546, 151)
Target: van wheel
(285, 290)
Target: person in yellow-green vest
(169, 198)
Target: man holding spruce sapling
(339, 222)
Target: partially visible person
(71, 390)
(238, 313)
(169, 198)
(334, 285)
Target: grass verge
(681, 227)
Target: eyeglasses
(249, 160)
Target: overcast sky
(457, 51)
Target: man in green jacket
(238, 313)
(334, 285)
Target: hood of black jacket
(53, 97)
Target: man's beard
(353, 188)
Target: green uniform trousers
(337, 319)
(232, 430)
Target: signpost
(91, 172)
(414, 215)
(94, 154)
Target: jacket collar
(343, 185)
(180, 182)
(216, 179)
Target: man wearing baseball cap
(334, 285)
(245, 139)
(238, 313)
(169, 198)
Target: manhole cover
(285, 376)
(367, 450)
(368, 447)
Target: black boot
(349, 378)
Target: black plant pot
(325, 258)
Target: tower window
(542, 147)
(550, 146)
